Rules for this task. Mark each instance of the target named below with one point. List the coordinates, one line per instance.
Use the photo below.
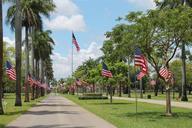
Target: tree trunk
(3, 89)
(129, 91)
(32, 92)
(162, 89)
(184, 92)
(120, 91)
(141, 89)
(107, 90)
(111, 93)
(18, 39)
(168, 102)
(37, 75)
(41, 76)
(27, 65)
(189, 90)
(1, 58)
(32, 65)
(156, 86)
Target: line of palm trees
(28, 14)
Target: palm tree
(31, 13)
(1, 58)
(42, 49)
(175, 4)
(18, 34)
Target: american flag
(30, 79)
(106, 72)
(165, 73)
(140, 75)
(10, 71)
(141, 62)
(74, 41)
(78, 82)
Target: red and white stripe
(106, 73)
(11, 73)
(165, 73)
(74, 41)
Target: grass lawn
(159, 97)
(12, 112)
(122, 114)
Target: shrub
(92, 97)
(92, 94)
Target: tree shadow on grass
(116, 103)
(2, 126)
(153, 116)
(15, 113)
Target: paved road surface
(160, 102)
(58, 112)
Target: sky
(89, 20)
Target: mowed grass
(159, 97)
(12, 112)
(122, 114)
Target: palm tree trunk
(37, 74)
(27, 65)
(32, 65)
(183, 57)
(18, 34)
(42, 76)
(1, 58)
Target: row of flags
(10, 71)
(141, 62)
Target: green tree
(1, 58)
(176, 4)
(159, 34)
(43, 46)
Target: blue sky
(89, 19)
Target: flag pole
(72, 59)
(135, 92)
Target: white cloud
(66, 7)
(73, 23)
(66, 17)
(147, 4)
(9, 41)
(62, 65)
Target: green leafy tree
(1, 58)
(176, 4)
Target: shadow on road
(54, 105)
(49, 112)
(53, 126)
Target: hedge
(92, 94)
(92, 97)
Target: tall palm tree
(42, 49)
(1, 58)
(174, 4)
(31, 13)
(18, 34)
